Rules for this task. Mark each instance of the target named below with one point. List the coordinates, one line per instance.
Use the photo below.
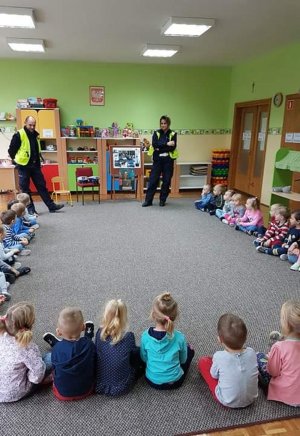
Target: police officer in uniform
(163, 150)
(25, 151)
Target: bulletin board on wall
(125, 158)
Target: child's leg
(219, 213)
(137, 363)
(190, 355)
(204, 365)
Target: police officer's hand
(24, 241)
(171, 143)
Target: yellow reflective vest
(173, 154)
(23, 154)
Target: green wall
(194, 97)
(278, 71)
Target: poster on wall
(126, 157)
(97, 95)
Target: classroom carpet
(86, 255)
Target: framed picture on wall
(97, 95)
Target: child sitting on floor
(237, 211)
(29, 219)
(276, 232)
(18, 226)
(205, 199)
(22, 367)
(163, 349)
(73, 357)
(218, 200)
(228, 205)
(11, 240)
(252, 219)
(231, 374)
(280, 369)
(117, 355)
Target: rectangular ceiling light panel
(192, 27)
(160, 51)
(16, 17)
(26, 45)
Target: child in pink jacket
(252, 219)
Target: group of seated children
(16, 231)
(281, 238)
(78, 367)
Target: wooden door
(249, 146)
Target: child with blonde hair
(231, 374)
(22, 367)
(11, 240)
(205, 199)
(252, 219)
(276, 232)
(117, 355)
(18, 226)
(228, 205)
(73, 357)
(237, 211)
(29, 218)
(163, 349)
(280, 369)
(218, 199)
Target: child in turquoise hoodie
(163, 349)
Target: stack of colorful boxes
(220, 166)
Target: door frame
(236, 132)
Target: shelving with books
(220, 167)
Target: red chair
(85, 173)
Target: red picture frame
(97, 95)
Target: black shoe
(50, 338)
(212, 212)
(10, 278)
(162, 203)
(56, 207)
(89, 329)
(147, 203)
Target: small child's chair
(88, 181)
(58, 189)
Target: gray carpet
(88, 254)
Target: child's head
(228, 194)
(290, 318)
(295, 218)
(70, 323)
(232, 331)
(19, 208)
(206, 189)
(274, 208)
(282, 214)
(8, 217)
(218, 189)
(164, 311)
(11, 202)
(23, 198)
(18, 322)
(114, 321)
(252, 203)
(237, 199)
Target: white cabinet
(193, 175)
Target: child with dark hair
(231, 374)
(11, 240)
(218, 199)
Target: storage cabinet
(192, 175)
(80, 152)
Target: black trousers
(28, 172)
(163, 166)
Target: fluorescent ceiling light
(160, 51)
(27, 45)
(16, 17)
(187, 26)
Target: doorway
(248, 146)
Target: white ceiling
(117, 30)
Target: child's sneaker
(295, 267)
(224, 220)
(25, 252)
(89, 329)
(274, 336)
(261, 249)
(283, 257)
(50, 338)
(231, 224)
(35, 226)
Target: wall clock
(278, 99)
